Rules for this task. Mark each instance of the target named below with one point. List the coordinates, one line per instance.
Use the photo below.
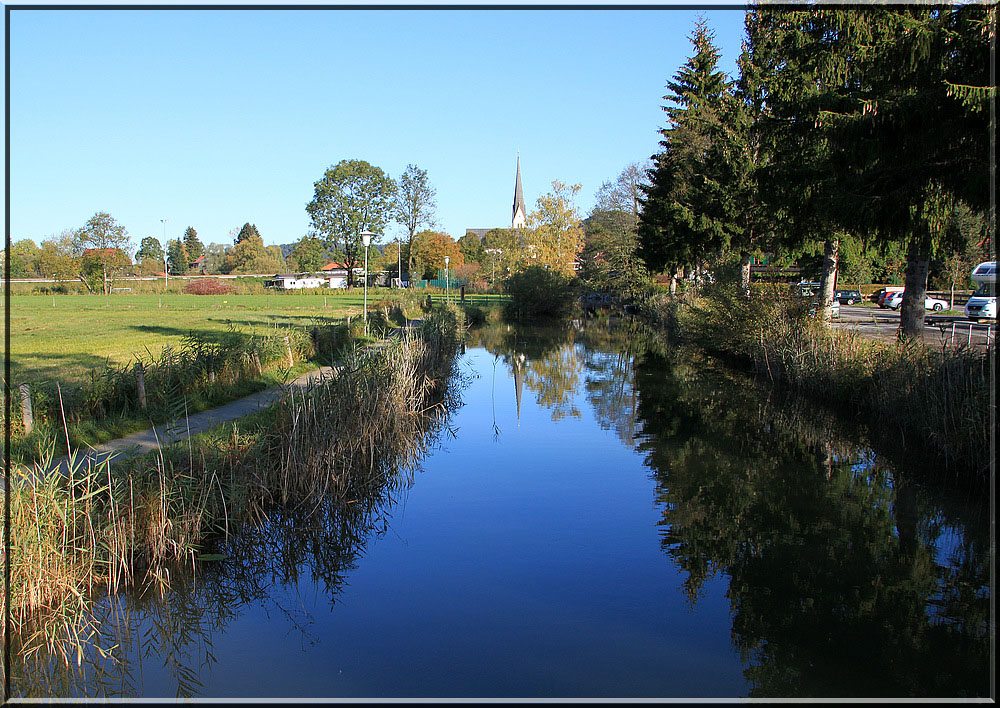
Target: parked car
(895, 301)
(935, 303)
(891, 290)
(847, 297)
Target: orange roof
(333, 265)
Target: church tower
(518, 220)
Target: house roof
(334, 265)
(198, 260)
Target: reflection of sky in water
(525, 560)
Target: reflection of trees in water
(837, 584)
(173, 624)
(542, 359)
(551, 361)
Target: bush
(207, 286)
(539, 292)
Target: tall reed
(105, 527)
(936, 399)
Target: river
(602, 517)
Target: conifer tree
(684, 212)
(878, 122)
(194, 247)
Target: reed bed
(933, 399)
(131, 524)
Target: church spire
(518, 219)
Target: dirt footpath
(165, 434)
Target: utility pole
(164, 222)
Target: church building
(519, 217)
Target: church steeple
(518, 219)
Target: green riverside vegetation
(130, 523)
(937, 398)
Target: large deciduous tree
(149, 250)
(249, 255)
(415, 204)
(308, 254)
(107, 244)
(555, 237)
(610, 259)
(351, 197)
(57, 257)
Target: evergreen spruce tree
(878, 122)
(248, 231)
(684, 214)
(194, 247)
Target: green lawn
(64, 336)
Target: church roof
(518, 197)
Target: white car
(895, 300)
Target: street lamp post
(366, 239)
(447, 284)
(164, 222)
(399, 262)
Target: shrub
(207, 286)
(538, 292)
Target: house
(300, 281)
(198, 263)
(295, 281)
(336, 274)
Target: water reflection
(847, 576)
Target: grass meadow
(65, 336)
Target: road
(882, 324)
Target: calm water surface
(603, 518)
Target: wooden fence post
(140, 384)
(288, 347)
(29, 421)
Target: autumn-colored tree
(249, 255)
(429, 250)
(555, 235)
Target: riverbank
(126, 524)
(935, 401)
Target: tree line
(849, 131)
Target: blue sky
(212, 118)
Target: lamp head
(366, 238)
